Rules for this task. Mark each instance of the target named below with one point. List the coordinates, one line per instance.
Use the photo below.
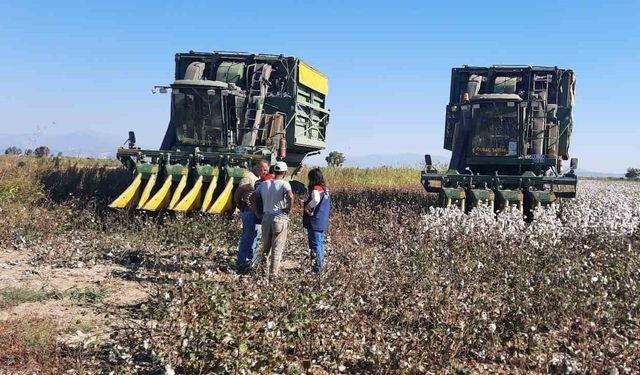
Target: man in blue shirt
(251, 231)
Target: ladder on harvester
(539, 97)
(541, 85)
(255, 102)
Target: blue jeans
(316, 244)
(249, 241)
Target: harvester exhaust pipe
(131, 141)
(539, 119)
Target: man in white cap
(273, 200)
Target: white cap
(280, 167)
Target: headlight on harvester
(435, 183)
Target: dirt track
(78, 319)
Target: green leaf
(242, 348)
(291, 327)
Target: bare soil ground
(79, 320)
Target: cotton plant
(601, 210)
(409, 287)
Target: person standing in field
(251, 230)
(273, 200)
(315, 217)
(268, 176)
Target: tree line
(632, 173)
(40, 152)
(334, 159)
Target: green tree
(28, 152)
(13, 150)
(632, 173)
(41, 152)
(335, 159)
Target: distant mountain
(103, 145)
(587, 173)
(82, 144)
(391, 160)
(416, 161)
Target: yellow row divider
(129, 195)
(161, 198)
(146, 193)
(192, 199)
(208, 196)
(178, 192)
(224, 201)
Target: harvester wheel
(298, 187)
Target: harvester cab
(229, 110)
(508, 130)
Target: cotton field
(408, 288)
(603, 211)
(416, 289)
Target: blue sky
(90, 66)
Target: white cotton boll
(605, 211)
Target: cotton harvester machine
(229, 110)
(508, 130)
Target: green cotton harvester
(229, 110)
(508, 130)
